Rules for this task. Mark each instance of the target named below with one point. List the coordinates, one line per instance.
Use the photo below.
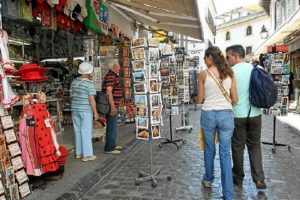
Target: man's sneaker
(89, 158)
(78, 156)
(119, 148)
(114, 152)
(260, 185)
(206, 184)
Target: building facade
(242, 26)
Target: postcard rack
(147, 96)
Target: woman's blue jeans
(223, 122)
(83, 127)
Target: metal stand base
(175, 142)
(143, 177)
(274, 143)
(184, 128)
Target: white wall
(238, 33)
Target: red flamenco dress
(41, 155)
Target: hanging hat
(31, 73)
(85, 68)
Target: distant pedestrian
(247, 131)
(113, 88)
(83, 107)
(217, 93)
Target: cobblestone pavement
(186, 167)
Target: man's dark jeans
(247, 132)
(111, 132)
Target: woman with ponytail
(217, 93)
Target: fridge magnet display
(154, 86)
(7, 122)
(165, 85)
(127, 82)
(138, 53)
(10, 176)
(153, 54)
(155, 100)
(142, 122)
(125, 62)
(139, 88)
(142, 133)
(24, 190)
(141, 111)
(138, 76)
(17, 162)
(21, 176)
(153, 69)
(2, 190)
(155, 131)
(14, 192)
(155, 116)
(14, 149)
(153, 42)
(138, 65)
(174, 100)
(126, 72)
(174, 110)
(140, 42)
(10, 135)
(140, 100)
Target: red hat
(31, 73)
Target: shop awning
(178, 16)
(287, 28)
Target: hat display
(85, 68)
(31, 73)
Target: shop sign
(97, 19)
(103, 20)
(277, 48)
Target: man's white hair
(112, 62)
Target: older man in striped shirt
(113, 88)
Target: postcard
(10, 176)
(142, 122)
(138, 65)
(24, 190)
(155, 100)
(174, 100)
(125, 51)
(14, 192)
(10, 135)
(154, 87)
(7, 122)
(153, 70)
(172, 80)
(174, 110)
(173, 91)
(17, 162)
(155, 116)
(138, 54)
(139, 42)
(127, 82)
(142, 133)
(141, 111)
(140, 100)
(154, 54)
(138, 77)
(139, 88)
(21, 176)
(165, 85)
(164, 69)
(284, 101)
(155, 131)
(153, 42)
(127, 72)
(14, 149)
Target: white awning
(178, 16)
(287, 28)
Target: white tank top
(213, 97)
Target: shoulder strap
(224, 92)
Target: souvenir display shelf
(147, 95)
(280, 71)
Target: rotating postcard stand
(147, 98)
(184, 127)
(152, 176)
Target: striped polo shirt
(81, 89)
(112, 79)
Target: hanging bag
(102, 103)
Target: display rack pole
(143, 177)
(184, 127)
(274, 143)
(171, 141)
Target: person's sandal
(206, 184)
(89, 158)
(260, 185)
(119, 148)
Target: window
(248, 50)
(249, 30)
(228, 35)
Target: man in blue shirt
(247, 131)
